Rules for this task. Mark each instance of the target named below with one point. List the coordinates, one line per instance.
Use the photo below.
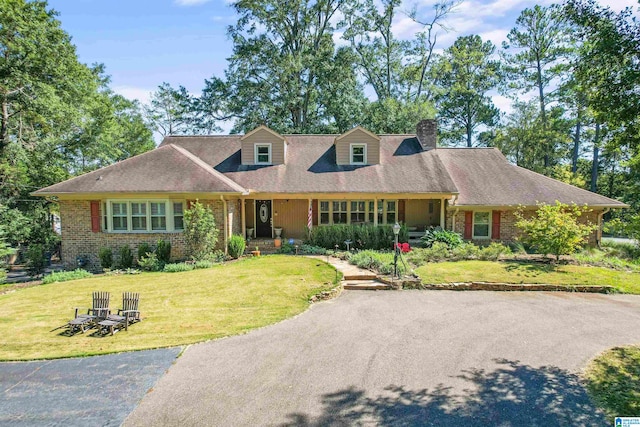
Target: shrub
(200, 231)
(378, 261)
(364, 236)
(437, 234)
(466, 250)
(143, 249)
(554, 229)
(35, 259)
(149, 262)
(106, 257)
(126, 257)
(178, 267)
(622, 250)
(65, 276)
(3, 276)
(493, 251)
(204, 264)
(287, 249)
(311, 250)
(236, 246)
(163, 250)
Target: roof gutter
(599, 229)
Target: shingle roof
(165, 169)
(311, 166)
(485, 178)
(211, 164)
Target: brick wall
(79, 240)
(508, 229)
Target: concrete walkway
(91, 391)
(410, 358)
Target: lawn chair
(99, 311)
(126, 316)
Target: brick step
(365, 285)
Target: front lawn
(613, 381)
(177, 308)
(517, 272)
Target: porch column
(442, 217)
(375, 212)
(243, 202)
(310, 216)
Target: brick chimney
(427, 132)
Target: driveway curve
(402, 358)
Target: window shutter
(468, 224)
(314, 211)
(95, 216)
(495, 226)
(401, 210)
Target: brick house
(263, 181)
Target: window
(119, 214)
(372, 211)
(178, 216)
(391, 211)
(358, 154)
(340, 212)
(142, 216)
(324, 213)
(358, 213)
(139, 216)
(481, 225)
(263, 154)
(105, 224)
(158, 216)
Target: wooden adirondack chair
(127, 315)
(99, 311)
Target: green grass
(613, 381)
(517, 272)
(177, 308)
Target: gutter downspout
(454, 199)
(225, 210)
(599, 230)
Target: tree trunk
(576, 142)
(4, 127)
(543, 114)
(594, 166)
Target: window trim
(169, 215)
(473, 226)
(364, 153)
(270, 153)
(381, 203)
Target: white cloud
(496, 36)
(134, 93)
(190, 2)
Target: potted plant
(256, 252)
(278, 231)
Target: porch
(294, 216)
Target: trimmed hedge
(365, 236)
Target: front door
(263, 218)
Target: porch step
(361, 276)
(366, 285)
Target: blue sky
(144, 43)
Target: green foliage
(437, 234)
(622, 250)
(143, 249)
(381, 262)
(204, 264)
(365, 236)
(3, 276)
(106, 257)
(64, 276)
(150, 262)
(466, 250)
(554, 229)
(126, 258)
(200, 231)
(35, 259)
(178, 267)
(236, 246)
(493, 252)
(163, 251)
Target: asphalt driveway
(90, 391)
(402, 358)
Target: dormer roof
(266, 129)
(357, 129)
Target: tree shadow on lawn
(532, 268)
(513, 394)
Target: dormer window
(263, 154)
(358, 154)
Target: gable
(357, 136)
(262, 136)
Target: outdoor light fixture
(396, 249)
